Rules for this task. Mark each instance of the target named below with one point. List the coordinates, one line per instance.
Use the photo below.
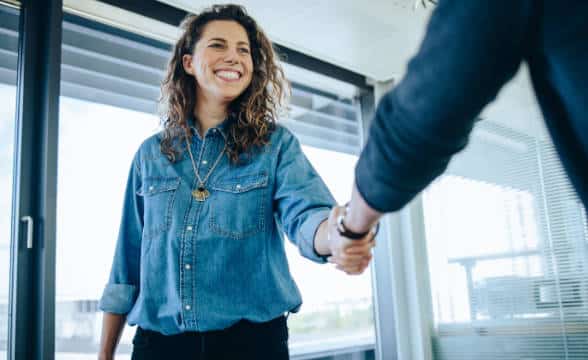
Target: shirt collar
(223, 127)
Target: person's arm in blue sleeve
(471, 48)
(122, 288)
(302, 200)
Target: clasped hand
(350, 256)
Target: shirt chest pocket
(158, 194)
(238, 205)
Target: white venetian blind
(109, 66)
(508, 252)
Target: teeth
(231, 75)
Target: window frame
(31, 292)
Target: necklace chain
(201, 182)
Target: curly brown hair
(253, 113)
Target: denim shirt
(184, 265)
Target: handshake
(351, 252)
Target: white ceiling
(374, 38)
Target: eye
(216, 45)
(244, 50)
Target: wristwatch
(345, 232)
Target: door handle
(29, 220)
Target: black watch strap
(344, 231)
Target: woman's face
(221, 62)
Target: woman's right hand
(350, 256)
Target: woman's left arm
(301, 199)
(306, 209)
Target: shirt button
(204, 162)
(238, 186)
(189, 228)
(187, 307)
(213, 130)
(188, 267)
(151, 188)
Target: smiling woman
(223, 54)
(200, 262)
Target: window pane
(499, 240)
(107, 108)
(8, 94)
(508, 260)
(337, 308)
(8, 61)
(96, 145)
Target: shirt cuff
(308, 231)
(118, 298)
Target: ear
(187, 63)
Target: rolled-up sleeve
(121, 290)
(301, 198)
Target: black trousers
(243, 341)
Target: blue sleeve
(471, 48)
(301, 198)
(121, 291)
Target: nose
(231, 56)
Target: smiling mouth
(228, 75)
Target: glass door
(9, 18)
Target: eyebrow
(224, 41)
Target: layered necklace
(201, 193)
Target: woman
(200, 265)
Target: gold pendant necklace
(201, 193)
